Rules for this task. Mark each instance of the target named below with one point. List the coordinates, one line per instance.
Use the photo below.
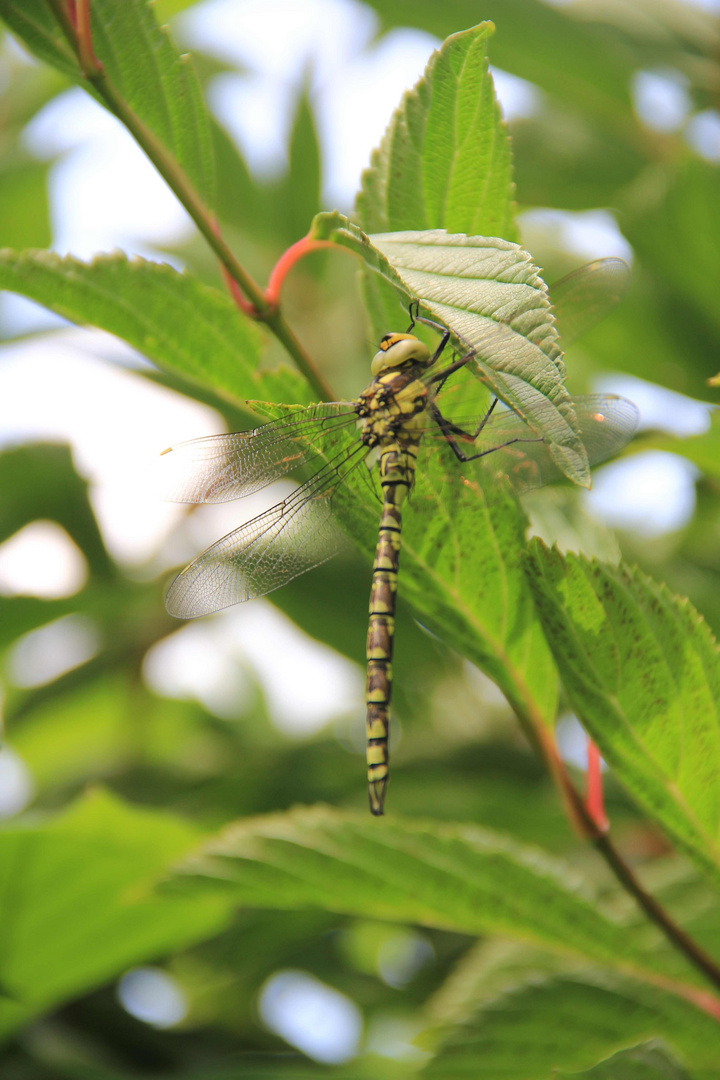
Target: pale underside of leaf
(488, 292)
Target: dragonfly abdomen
(397, 469)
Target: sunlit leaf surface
(643, 673)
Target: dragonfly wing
(223, 467)
(584, 297)
(273, 548)
(606, 424)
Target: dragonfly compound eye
(398, 349)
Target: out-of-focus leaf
(241, 202)
(101, 727)
(563, 160)
(139, 59)
(167, 8)
(76, 905)
(34, 23)
(703, 450)
(489, 293)
(298, 198)
(570, 1024)
(453, 877)
(673, 232)
(650, 1061)
(642, 671)
(180, 324)
(39, 482)
(23, 197)
(445, 159)
(21, 614)
(577, 59)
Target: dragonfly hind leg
(450, 431)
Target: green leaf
(21, 614)
(579, 61)
(673, 235)
(23, 197)
(75, 902)
(647, 1062)
(34, 23)
(183, 326)
(74, 738)
(298, 197)
(489, 293)
(138, 58)
(562, 160)
(454, 877)
(40, 482)
(445, 159)
(570, 1024)
(703, 450)
(642, 671)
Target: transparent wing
(584, 297)
(273, 548)
(506, 444)
(223, 467)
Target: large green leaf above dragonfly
(489, 293)
(445, 160)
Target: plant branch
(594, 790)
(78, 33)
(583, 819)
(600, 839)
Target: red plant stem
(285, 263)
(594, 787)
(232, 286)
(590, 829)
(678, 938)
(88, 60)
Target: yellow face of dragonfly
(398, 349)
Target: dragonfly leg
(442, 376)
(450, 430)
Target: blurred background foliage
(617, 143)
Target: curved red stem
(594, 790)
(287, 261)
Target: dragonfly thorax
(398, 349)
(392, 407)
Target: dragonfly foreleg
(441, 377)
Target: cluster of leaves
(535, 968)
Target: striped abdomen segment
(397, 467)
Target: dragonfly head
(398, 349)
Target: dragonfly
(391, 418)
